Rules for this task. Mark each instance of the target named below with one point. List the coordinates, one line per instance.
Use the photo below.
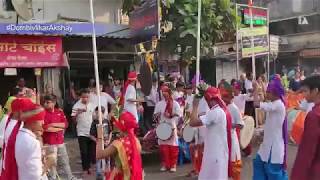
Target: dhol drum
(189, 133)
(164, 131)
(246, 132)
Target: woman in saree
(125, 150)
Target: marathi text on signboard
(30, 51)
(144, 21)
(261, 45)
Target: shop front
(28, 57)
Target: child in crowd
(93, 136)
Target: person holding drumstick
(270, 162)
(170, 112)
(237, 123)
(215, 162)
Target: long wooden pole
(96, 70)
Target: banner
(261, 45)
(30, 52)
(144, 21)
(59, 28)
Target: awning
(310, 53)
(31, 52)
(66, 29)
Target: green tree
(218, 22)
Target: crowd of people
(108, 135)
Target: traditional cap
(212, 92)
(275, 87)
(227, 90)
(35, 114)
(166, 88)
(22, 104)
(132, 76)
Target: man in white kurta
(169, 149)
(215, 160)
(270, 160)
(129, 100)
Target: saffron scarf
(168, 99)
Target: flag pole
(96, 70)
(198, 46)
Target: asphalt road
(151, 165)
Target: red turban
(132, 76)
(37, 113)
(22, 104)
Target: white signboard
(274, 44)
(10, 71)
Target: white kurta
(236, 120)
(273, 139)
(240, 101)
(28, 156)
(203, 108)
(7, 133)
(160, 108)
(215, 156)
(131, 106)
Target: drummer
(227, 96)
(170, 113)
(270, 162)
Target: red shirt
(54, 138)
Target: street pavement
(151, 165)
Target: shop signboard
(30, 51)
(260, 36)
(10, 71)
(274, 44)
(144, 21)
